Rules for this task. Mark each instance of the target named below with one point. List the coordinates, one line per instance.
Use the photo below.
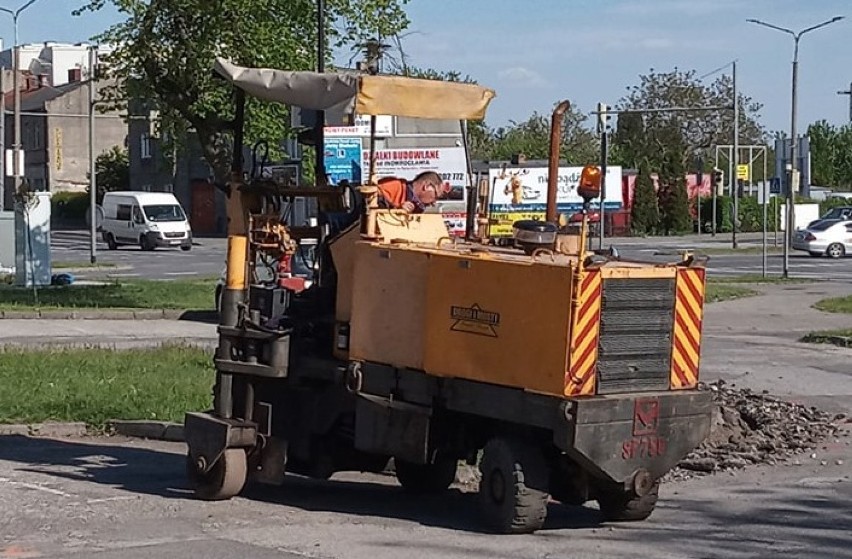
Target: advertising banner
(343, 160)
(384, 127)
(521, 193)
(450, 163)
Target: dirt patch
(755, 428)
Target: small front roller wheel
(620, 505)
(426, 478)
(511, 493)
(225, 479)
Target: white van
(147, 219)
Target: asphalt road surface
(103, 498)
(205, 260)
(107, 497)
(207, 257)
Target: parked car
(303, 265)
(840, 212)
(147, 219)
(827, 237)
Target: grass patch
(96, 385)
(716, 293)
(135, 294)
(81, 265)
(757, 278)
(842, 338)
(835, 304)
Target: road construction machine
(560, 373)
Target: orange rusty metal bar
(553, 162)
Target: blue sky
(536, 52)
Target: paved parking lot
(206, 259)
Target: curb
(46, 430)
(139, 314)
(155, 430)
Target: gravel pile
(755, 428)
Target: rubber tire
(618, 505)
(186, 248)
(511, 468)
(839, 250)
(224, 480)
(145, 244)
(423, 479)
(110, 241)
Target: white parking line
(187, 273)
(36, 487)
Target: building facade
(55, 132)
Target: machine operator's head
(428, 187)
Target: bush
(644, 215)
(750, 214)
(69, 206)
(827, 205)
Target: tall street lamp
(17, 171)
(793, 181)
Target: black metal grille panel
(635, 341)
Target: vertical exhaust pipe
(553, 162)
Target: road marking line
(37, 487)
(111, 499)
(181, 273)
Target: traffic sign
(743, 172)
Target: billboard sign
(343, 160)
(521, 193)
(384, 127)
(450, 163)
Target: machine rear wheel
(511, 492)
(618, 505)
(110, 241)
(426, 478)
(225, 479)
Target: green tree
(698, 130)
(644, 214)
(531, 138)
(166, 48)
(112, 172)
(831, 154)
(673, 199)
(823, 143)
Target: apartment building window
(145, 146)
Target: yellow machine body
(501, 317)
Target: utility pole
(603, 126)
(18, 172)
(93, 177)
(735, 181)
(849, 93)
(2, 139)
(319, 132)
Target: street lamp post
(794, 176)
(16, 170)
(849, 93)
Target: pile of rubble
(755, 428)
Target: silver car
(826, 237)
